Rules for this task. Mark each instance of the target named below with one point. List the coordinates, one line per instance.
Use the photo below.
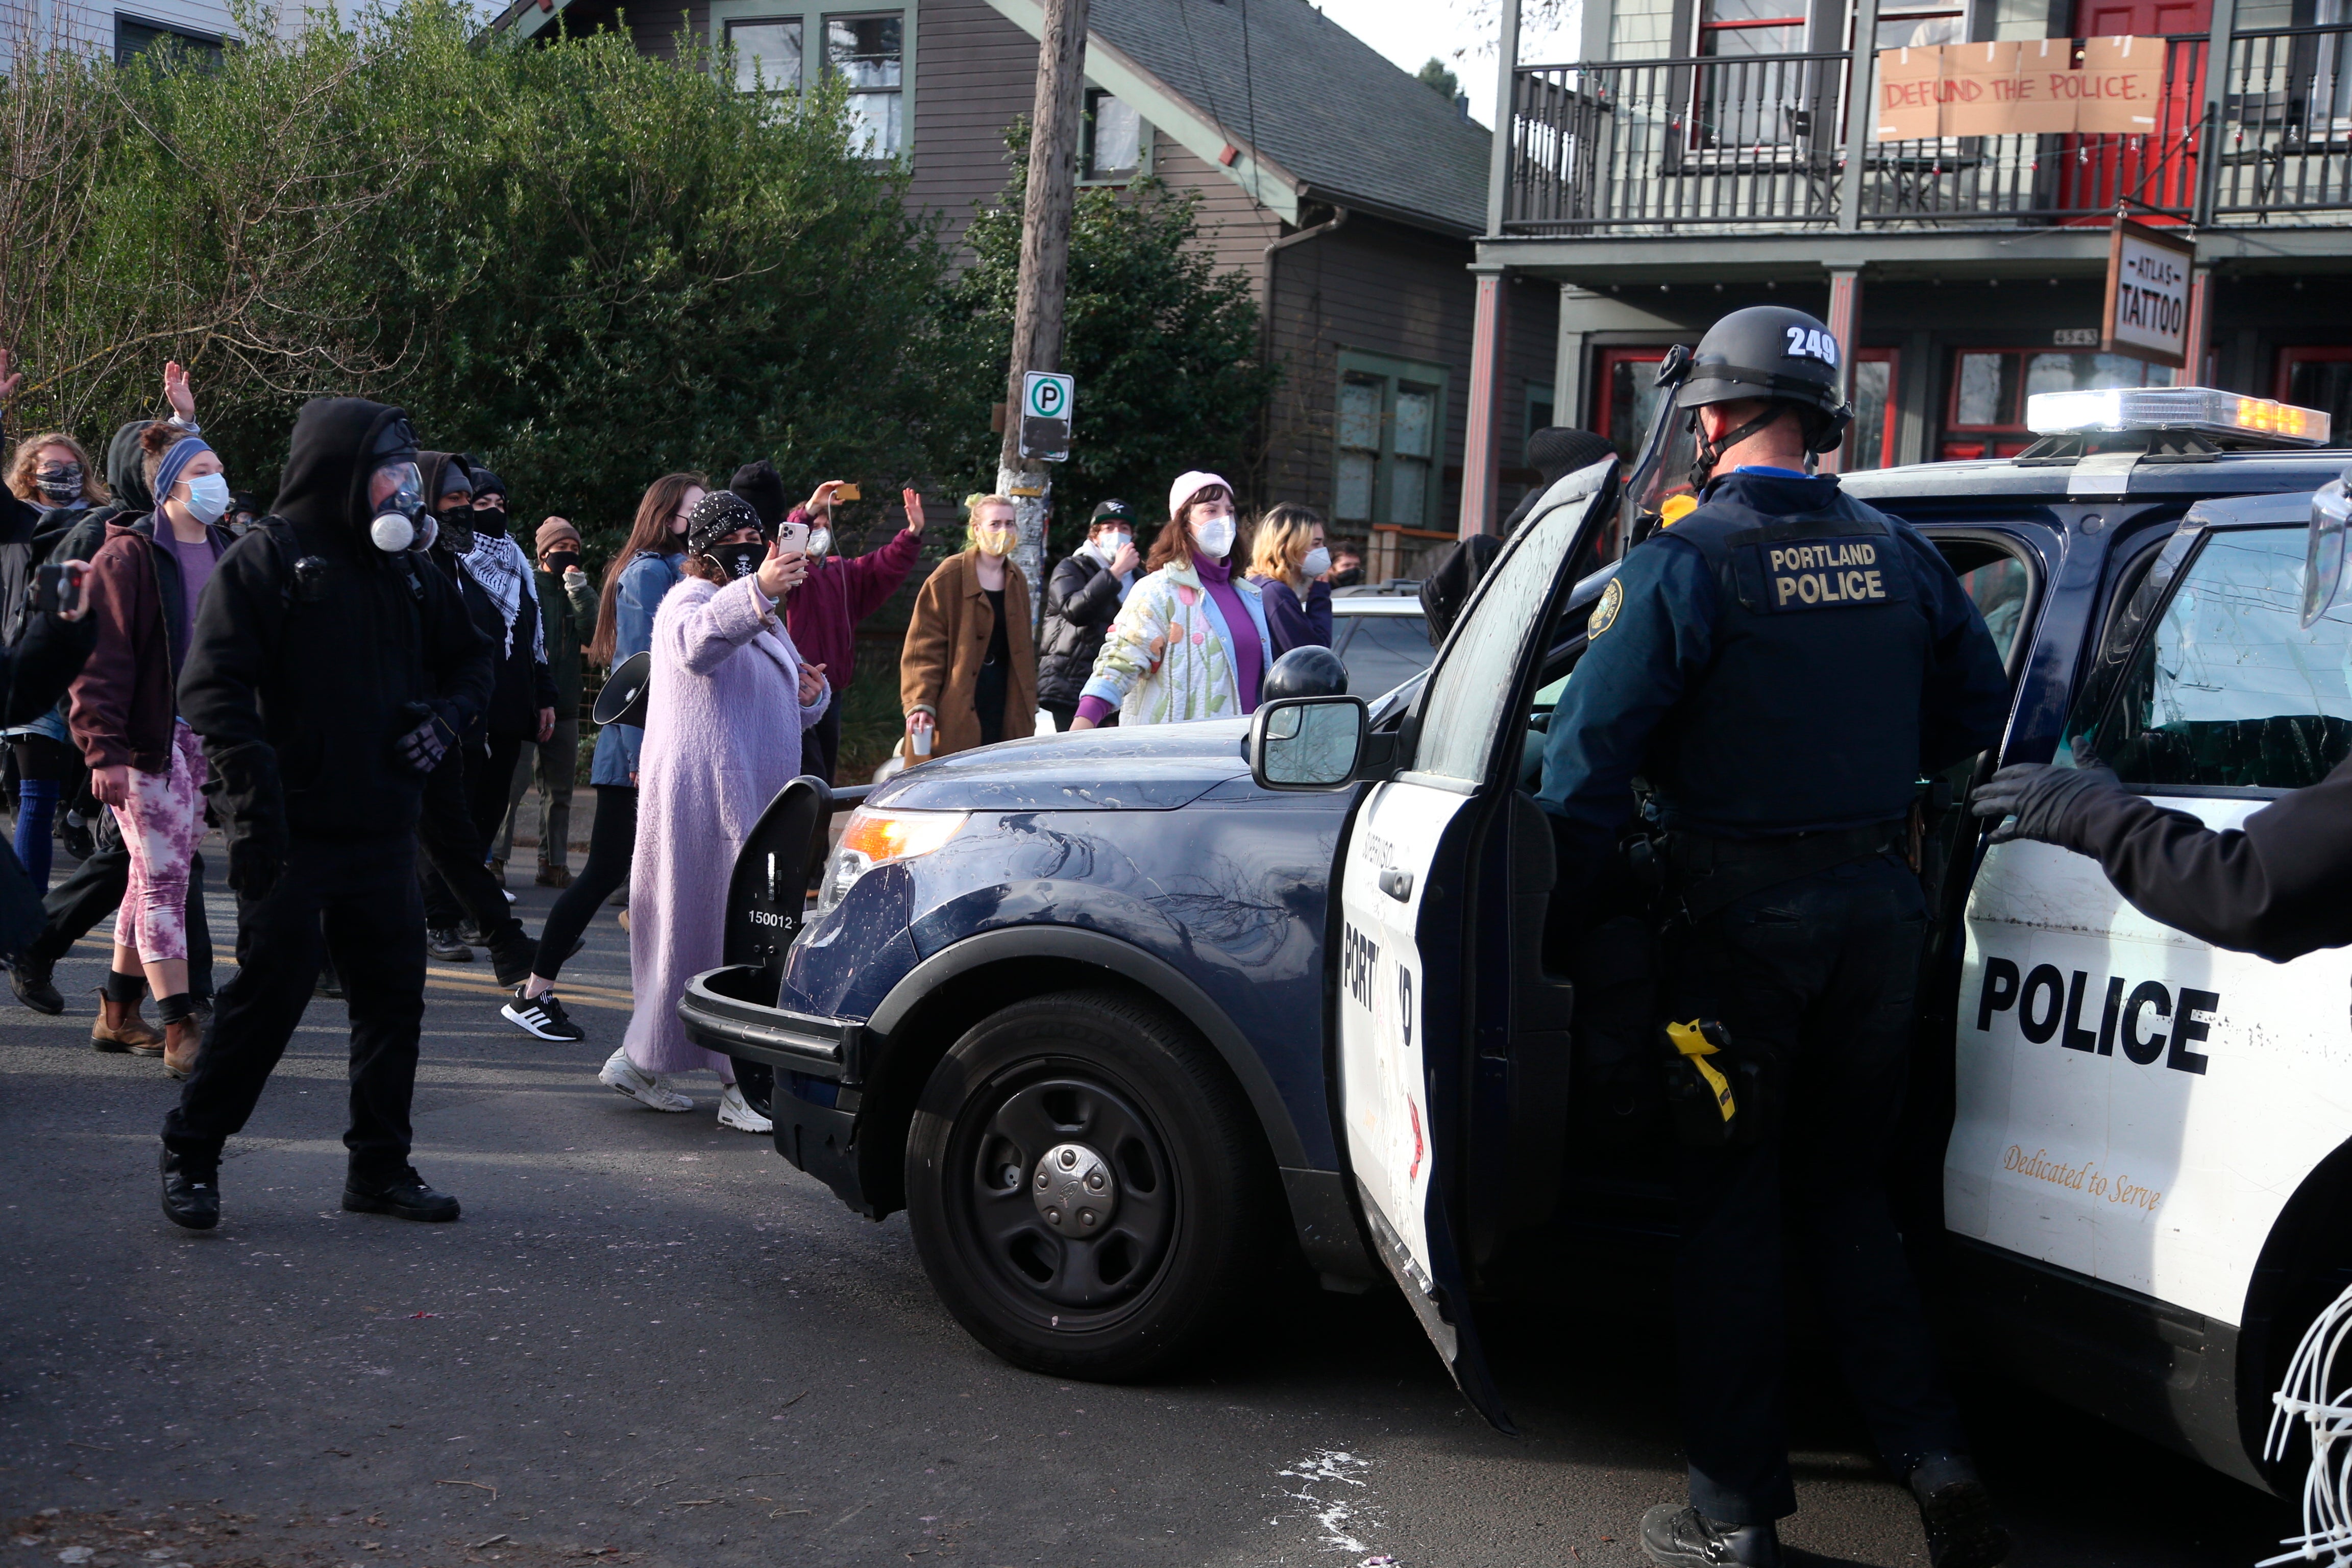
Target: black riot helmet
(1309, 671)
(1770, 352)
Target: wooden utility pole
(1045, 267)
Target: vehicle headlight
(877, 838)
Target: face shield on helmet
(396, 495)
(1659, 489)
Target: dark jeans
(457, 884)
(374, 926)
(1822, 972)
(612, 846)
(821, 743)
(95, 892)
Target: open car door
(1415, 1010)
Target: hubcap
(1069, 1198)
(1075, 1190)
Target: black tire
(1178, 1146)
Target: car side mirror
(1308, 743)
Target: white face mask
(1110, 545)
(820, 542)
(1213, 536)
(207, 497)
(1318, 561)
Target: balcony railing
(1763, 142)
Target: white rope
(2306, 1396)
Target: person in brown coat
(968, 673)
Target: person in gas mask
(730, 698)
(467, 794)
(822, 613)
(330, 671)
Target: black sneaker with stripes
(542, 1015)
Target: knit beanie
(719, 514)
(758, 483)
(554, 530)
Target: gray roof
(1313, 97)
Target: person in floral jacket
(1190, 641)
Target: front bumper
(723, 1011)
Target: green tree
(1164, 348)
(1438, 79)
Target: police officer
(1781, 665)
(329, 670)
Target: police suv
(1112, 1014)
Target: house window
(1389, 429)
(133, 37)
(1990, 387)
(1871, 442)
(1736, 27)
(1919, 27)
(1115, 140)
(1629, 397)
(767, 54)
(868, 53)
(784, 47)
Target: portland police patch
(1604, 614)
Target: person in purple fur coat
(728, 700)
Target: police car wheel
(1085, 1184)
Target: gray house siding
(975, 73)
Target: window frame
(812, 17)
(2145, 595)
(1145, 135)
(1890, 431)
(1394, 373)
(2010, 437)
(207, 48)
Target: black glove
(251, 804)
(2038, 796)
(423, 747)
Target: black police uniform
(1784, 661)
(310, 647)
(2273, 887)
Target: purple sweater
(1249, 658)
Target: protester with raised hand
(1085, 591)
(639, 576)
(145, 762)
(731, 696)
(968, 670)
(824, 612)
(1288, 563)
(1190, 641)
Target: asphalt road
(650, 1340)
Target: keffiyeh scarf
(498, 564)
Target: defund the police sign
(2149, 278)
(1045, 399)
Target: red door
(2158, 170)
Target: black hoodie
(522, 682)
(310, 643)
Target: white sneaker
(736, 1111)
(651, 1090)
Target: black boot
(31, 980)
(1685, 1538)
(404, 1195)
(190, 1191)
(1963, 1530)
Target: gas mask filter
(398, 515)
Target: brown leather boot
(181, 1039)
(120, 1029)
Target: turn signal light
(875, 838)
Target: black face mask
(561, 561)
(60, 483)
(491, 519)
(738, 560)
(458, 528)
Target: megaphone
(623, 701)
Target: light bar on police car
(2175, 408)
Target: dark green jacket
(570, 617)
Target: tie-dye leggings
(160, 828)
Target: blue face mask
(208, 497)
